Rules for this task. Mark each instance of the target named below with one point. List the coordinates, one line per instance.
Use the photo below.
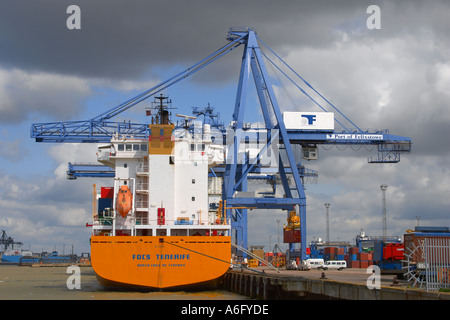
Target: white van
(335, 264)
(315, 263)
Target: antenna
(185, 119)
(162, 104)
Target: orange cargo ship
(156, 227)
(160, 262)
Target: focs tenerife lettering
(162, 256)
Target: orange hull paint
(160, 262)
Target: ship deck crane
(236, 173)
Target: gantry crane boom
(98, 129)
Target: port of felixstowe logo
(355, 136)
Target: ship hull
(154, 262)
(11, 259)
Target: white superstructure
(168, 179)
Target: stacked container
(340, 254)
(353, 261)
(329, 253)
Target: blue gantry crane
(277, 137)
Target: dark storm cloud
(124, 39)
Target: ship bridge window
(128, 147)
(198, 147)
(135, 147)
(120, 147)
(143, 147)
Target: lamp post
(383, 200)
(327, 206)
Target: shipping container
(353, 250)
(291, 236)
(329, 256)
(331, 250)
(353, 257)
(257, 252)
(363, 256)
(364, 264)
(378, 250)
(354, 264)
(104, 203)
(415, 242)
(393, 251)
(107, 192)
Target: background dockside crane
(239, 167)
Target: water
(49, 283)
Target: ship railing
(216, 222)
(104, 221)
(142, 203)
(142, 186)
(142, 167)
(108, 221)
(142, 221)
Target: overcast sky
(396, 78)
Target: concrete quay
(348, 284)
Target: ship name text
(162, 256)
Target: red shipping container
(354, 264)
(414, 243)
(107, 192)
(364, 264)
(353, 250)
(331, 250)
(393, 251)
(291, 236)
(363, 256)
(340, 251)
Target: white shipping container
(322, 121)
